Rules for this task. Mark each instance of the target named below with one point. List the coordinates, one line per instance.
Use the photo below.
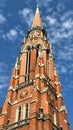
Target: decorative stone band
(25, 84)
(38, 76)
(33, 101)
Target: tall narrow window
(19, 113)
(26, 111)
(27, 64)
(61, 128)
(39, 51)
(54, 118)
(47, 62)
(37, 54)
(41, 113)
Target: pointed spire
(37, 22)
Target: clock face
(23, 94)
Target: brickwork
(34, 99)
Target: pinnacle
(16, 64)
(37, 22)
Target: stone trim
(16, 77)
(65, 121)
(33, 101)
(57, 83)
(25, 84)
(59, 95)
(11, 88)
(40, 64)
(63, 108)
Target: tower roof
(37, 22)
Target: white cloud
(65, 55)
(3, 67)
(68, 24)
(60, 7)
(66, 15)
(2, 86)
(19, 30)
(44, 3)
(2, 3)
(63, 69)
(51, 20)
(2, 19)
(62, 29)
(4, 80)
(11, 35)
(27, 15)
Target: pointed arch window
(48, 62)
(39, 50)
(19, 113)
(26, 111)
(27, 64)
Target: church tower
(34, 100)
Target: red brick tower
(34, 99)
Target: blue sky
(15, 20)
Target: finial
(24, 40)
(37, 9)
(55, 72)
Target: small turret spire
(17, 63)
(37, 22)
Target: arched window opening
(8, 121)
(19, 113)
(41, 113)
(47, 53)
